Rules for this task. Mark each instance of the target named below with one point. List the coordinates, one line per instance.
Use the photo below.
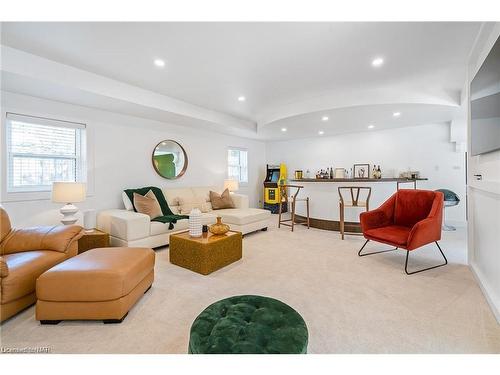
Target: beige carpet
(350, 304)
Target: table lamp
(231, 185)
(69, 193)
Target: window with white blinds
(41, 151)
(237, 165)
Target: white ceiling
(289, 72)
(357, 119)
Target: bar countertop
(386, 179)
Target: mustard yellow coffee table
(205, 254)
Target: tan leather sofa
(24, 255)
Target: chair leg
(50, 322)
(425, 269)
(445, 226)
(279, 213)
(307, 203)
(375, 252)
(115, 321)
(341, 208)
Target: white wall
(122, 147)
(484, 196)
(121, 140)
(425, 148)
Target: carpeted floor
(350, 304)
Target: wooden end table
(205, 254)
(93, 240)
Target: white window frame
(12, 194)
(241, 183)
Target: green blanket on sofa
(168, 216)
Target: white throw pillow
(185, 206)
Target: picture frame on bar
(361, 171)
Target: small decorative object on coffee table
(205, 254)
(92, 240)
(195, 225)
(219, 227)
(248, 325)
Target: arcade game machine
(275, 176)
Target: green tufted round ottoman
(248, 325)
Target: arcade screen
(275, 176)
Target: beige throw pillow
(220, 201)
(147, 204)
(185, 206)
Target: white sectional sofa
(129, 228)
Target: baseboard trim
(490, 296)
(333, 225)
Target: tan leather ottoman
(99, 284)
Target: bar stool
(355, 202)
(450, 199)
(284, 198)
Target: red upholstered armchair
(407, 220)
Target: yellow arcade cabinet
(275, 176)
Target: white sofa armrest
(123, 224)
(240, 200)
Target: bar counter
(384, 179)
(324, 198)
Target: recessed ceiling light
(378, 62)
(321, 132)
(159, 63)
(324, 118)
(283, 129)
(396, 114)
(371, 126)
(241, 98)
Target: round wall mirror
(169, 159)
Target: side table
(92, 240)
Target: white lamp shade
(231, 185)
(68, 192)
